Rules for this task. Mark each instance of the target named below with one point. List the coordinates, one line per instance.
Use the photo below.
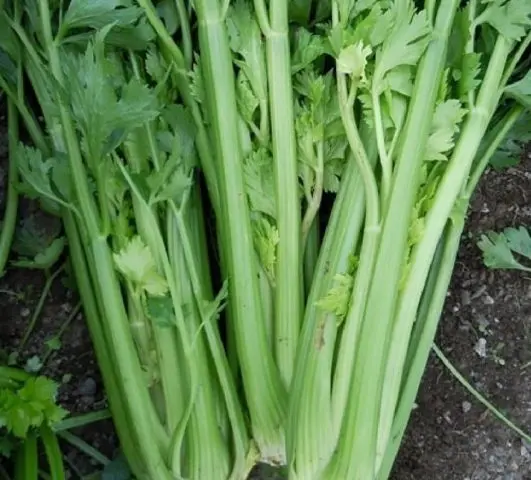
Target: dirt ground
(484, 331)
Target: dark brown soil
(450, 437)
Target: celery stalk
(263, 388)
(289, 286)
(356, 453)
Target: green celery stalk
(311, 407)
(454, 179)
(208, 455)
(429, 313)
(356, 453)
(263, 388)
(104, 276)
(53, 453)
(27, 459)
(289, 273)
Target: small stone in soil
(87, 388)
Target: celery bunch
(339, 143)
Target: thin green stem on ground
(40, 305)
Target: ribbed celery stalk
(310, 436)
(190, 231)
(289, 273)
(433, 298)
(356, 453)
(104, 276)
(208, 452)
(452, 183)
(263, 388)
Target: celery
(340, 143)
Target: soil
(484, 331)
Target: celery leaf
(306, 49)
(136, 263)
(259, 182)
(99, 13)
(521, 90)
(246, 41)
(337, 300)
(403, 45)
(160, 311)
(445, 124)
(511, 18)
(499, 248)
(265, 242)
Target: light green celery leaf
(403, 45)
(337, 300)
(172, 182)
(381, 29)
(352, 61)
(160, 311)
(305, 136)
(335, 149)
(361, 30)
(248, 102)
(45, 259)
(184, 130)
(446, 120)
(156, 65)
(30, 406)
(105, 107)
(246, 40)
(99, 13)
(511, 18)
(468, 76)
(266, 239)
(499, 248)
(306, 48)
(400, 80)
(519, 241)
(196, 83)
(41, 392)
(521, 90)
(136, 263)
(37, 175)
(416, 230)
(259, 183)
(136, 106)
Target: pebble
(481, 347)
(466, 297)
(466, 406)
(87, 388)
(488, 300)
(25, 312)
